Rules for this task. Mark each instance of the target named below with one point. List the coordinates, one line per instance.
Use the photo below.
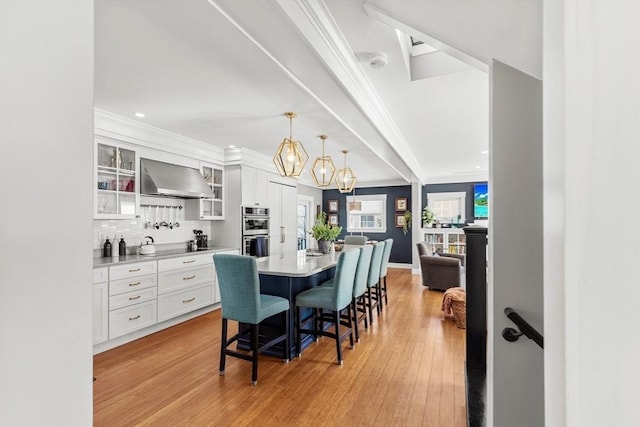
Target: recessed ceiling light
(477, 167)
(141, 115)
(231, 146)
(484, 152)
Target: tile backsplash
(134, 230)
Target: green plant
(321, 230)
(407, 222)
(427, 215)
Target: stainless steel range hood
(165, 179)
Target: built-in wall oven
(255, 231)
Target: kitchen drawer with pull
(100, 275)
(132, 284)
(132, 318)
(132, 270)
(174, 280)
(130, 298)
(185, 262)
(176, 303)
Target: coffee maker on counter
(201, 240)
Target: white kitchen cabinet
(283, 220)
(100, 310)
(116, 181)
(254, 184)
(184, 284)
(209, 208)
(132, 297)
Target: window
(447, 207)
(367, 213)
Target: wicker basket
(459, 313)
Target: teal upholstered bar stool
(383, 271)
(242, 301)
(355, 240)
(334, 298)
(358, 300)
(373, 279)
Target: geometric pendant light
(291, 156)
(345, 179)
(323, 169)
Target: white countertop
(299, 263)
(174, 253)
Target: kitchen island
(286, 276)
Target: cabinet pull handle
(134, 270)
(282, 234)
(133, 298)
(188, 300)
(189, 262)
(189, 277)
(134, 284)
(134, 318)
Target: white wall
(598, 134)
(46, 134)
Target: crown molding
(124, 129)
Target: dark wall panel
(467, 187)
(401, 251)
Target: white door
(283, 220)
(515, 370)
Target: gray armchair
(441, 271)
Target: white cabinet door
(254, 187)
(100, 313)
(282, 227)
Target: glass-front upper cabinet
(210, 208)
(116, 177)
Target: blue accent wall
(467, 187)
(402, 246)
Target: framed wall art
(401, 204)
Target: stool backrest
(239, 287)
(344, 277)
(376, 261)
(385, 257)
(355, 240)
(362, 272)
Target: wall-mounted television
(481, 201)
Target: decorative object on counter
(406, 225)
(122, 247)
(345, 179)
(147, 247)
(291, 157)
(201, 239)
(427, 217)
(326, 170)
(106, 248)
(324, 233)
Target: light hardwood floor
(407, 370)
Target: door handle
(282, 234)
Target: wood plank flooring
(407, 370)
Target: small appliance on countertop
(201, 240)
(147, 248)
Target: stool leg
(350, 317)
(298, 334)
(255, 354)
(354, 304)
(370, 305)
(336, 321)
(287, 338)
(223, 345)
(386, 301)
